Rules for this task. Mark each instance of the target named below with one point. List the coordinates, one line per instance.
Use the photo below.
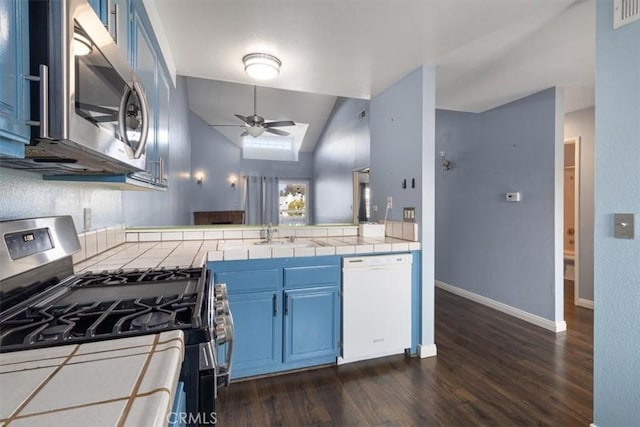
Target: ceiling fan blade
(244, 119)
(279, 124)
(245, 133)
(235, 126)
(277, 132)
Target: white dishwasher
(376, 306)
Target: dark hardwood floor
(491, 369)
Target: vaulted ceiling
(486, 52)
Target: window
(293, 202)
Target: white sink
(254, 244)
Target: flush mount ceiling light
(261, 66)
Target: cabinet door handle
(275, 305)
(286, 304)
(114, 15)
(43, 79)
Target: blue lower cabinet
(311, 329)
(257, 339)
(286, 312)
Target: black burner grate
(66, 324)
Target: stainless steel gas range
(43, 303)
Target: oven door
(106, 113)
(207, 383)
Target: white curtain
(261, 200)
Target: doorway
(571, 215)
(361, 196)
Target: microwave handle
(43, 79)
(145, 119)
(130, 87)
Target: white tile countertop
(197, 252)
(127, 381)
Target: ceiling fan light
(261, 66)
(255, 131)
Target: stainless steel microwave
(90, 115)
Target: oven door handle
(229, 353)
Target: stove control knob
(220, 291)
(221, 307)
(221, 330)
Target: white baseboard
(512, 311)
(585, 303)
(429, 350)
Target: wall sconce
(199, 178)
(446, 164)
(233, 180)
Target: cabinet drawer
(299, 277)
(250, 280)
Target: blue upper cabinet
(145, 66)
(118, 25)
(100, 8)
(149, 68)
(114, 14)
(14, 67)
(163, 124)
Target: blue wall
(396, 146)
(485, 245)
(342, 147)
(617, 186)
(25, 194)
(170, 207)
(402, 126)
(217, 158)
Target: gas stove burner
(55, 333)
(152, 320)
(162, 274)
(102, 279)
(122, 277)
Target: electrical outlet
(389, 202)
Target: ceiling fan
(255, 125)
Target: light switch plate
(409, 214)
(623, 226)
(513, 197)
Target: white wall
(582, 123)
